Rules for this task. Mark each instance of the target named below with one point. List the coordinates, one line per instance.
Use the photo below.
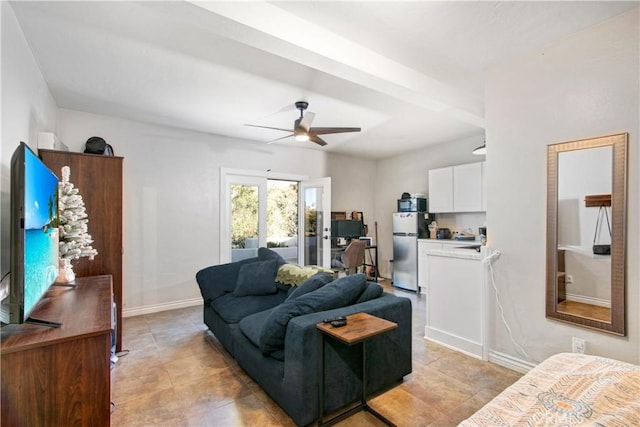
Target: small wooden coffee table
(360, 328)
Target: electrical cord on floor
(489, 260)
(122, 353)
(116, 356)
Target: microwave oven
(412, 204)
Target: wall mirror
(586, 205)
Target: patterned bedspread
(568, 389)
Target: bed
(567, 389)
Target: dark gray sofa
(290, 375)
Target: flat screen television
(34, 234)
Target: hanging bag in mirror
(597, 248)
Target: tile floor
(177, 374)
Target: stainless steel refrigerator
(407, 228)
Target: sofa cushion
(339, 293)
(233, 309)
(292, 274)
(372, 291)
(314, 282)
(251, 326)
(257, 278)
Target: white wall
(580, 87)
(408, 172)
(353, 186)
(171, 197)
(27, 108)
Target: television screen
(34, 232)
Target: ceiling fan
(302, 130)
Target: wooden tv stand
(61, 376)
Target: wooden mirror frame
(618, 240)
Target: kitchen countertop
(451, 241)
(457, 253)
(453, 249)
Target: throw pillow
(311, 284)
(216, 280)
(339, 293)
(292, 274)
(257, 278)
(266, 254)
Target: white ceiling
(409, 74)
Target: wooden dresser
(61, 376)
(99, 180)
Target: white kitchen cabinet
(459, 188)
(423, 247)
(441, 190)
(467, 187)
(456, 302)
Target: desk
(373, 260)
(360, 328)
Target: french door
(245, 209)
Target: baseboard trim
(453, 342)
(588, 300)
(156, 308)
(510, 362)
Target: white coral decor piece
(75, 241)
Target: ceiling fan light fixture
(481, 150)
(302, 130)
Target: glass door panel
(244, 221)
(246, 218)
(316, 222)
(282, 218)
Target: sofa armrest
(389, 355)
(216, 280)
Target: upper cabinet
(441, 190)
(467, 188)
(458, 188)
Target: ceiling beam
(274, 30)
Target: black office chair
(351, 259)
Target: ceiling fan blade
(317, 140)
(278, 139)
(269, 127)
(306, 120)
(324, 131)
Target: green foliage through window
(282, 213)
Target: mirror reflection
(584, 279)
(585, 232)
